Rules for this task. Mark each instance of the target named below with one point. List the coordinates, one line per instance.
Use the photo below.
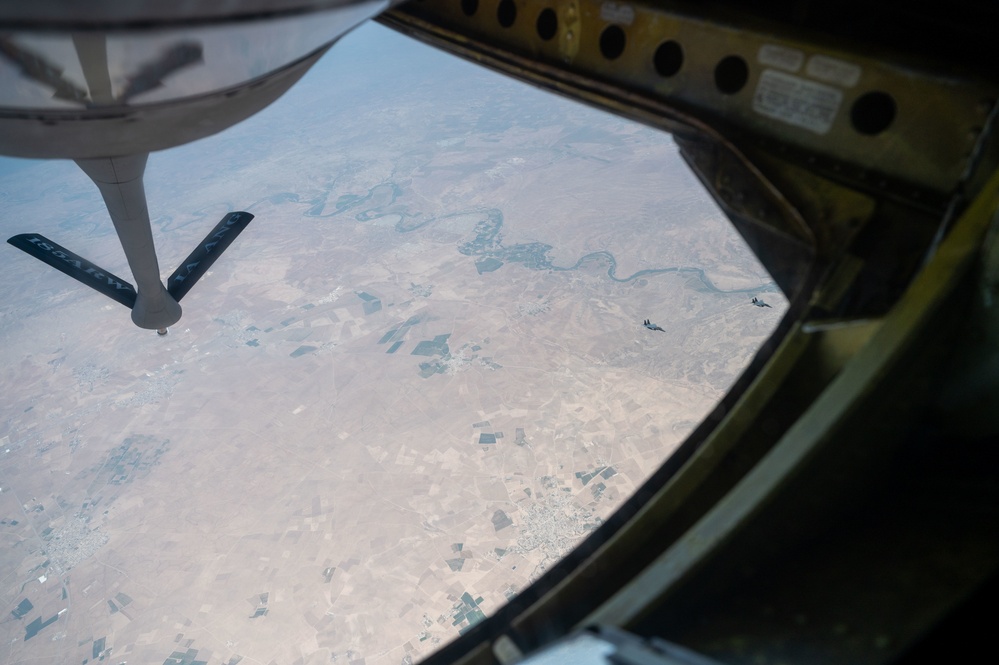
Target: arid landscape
(417, 379)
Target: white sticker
(781, 57)
(796, 101)
(832, 70)
(615, 12)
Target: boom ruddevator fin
(202, 258)
(75, 266)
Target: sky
(367, 46)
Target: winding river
(486, 242)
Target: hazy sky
(368, 46)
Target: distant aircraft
(759, 303)
(652, 326)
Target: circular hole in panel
(612, 42)
(731, 74)
(469, 7)
(506, 13)
(873, 112)
(668, 58)
(547, 24)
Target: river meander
(485, 241)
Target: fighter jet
(759, 303)
(652, 326)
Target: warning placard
(797, 101)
